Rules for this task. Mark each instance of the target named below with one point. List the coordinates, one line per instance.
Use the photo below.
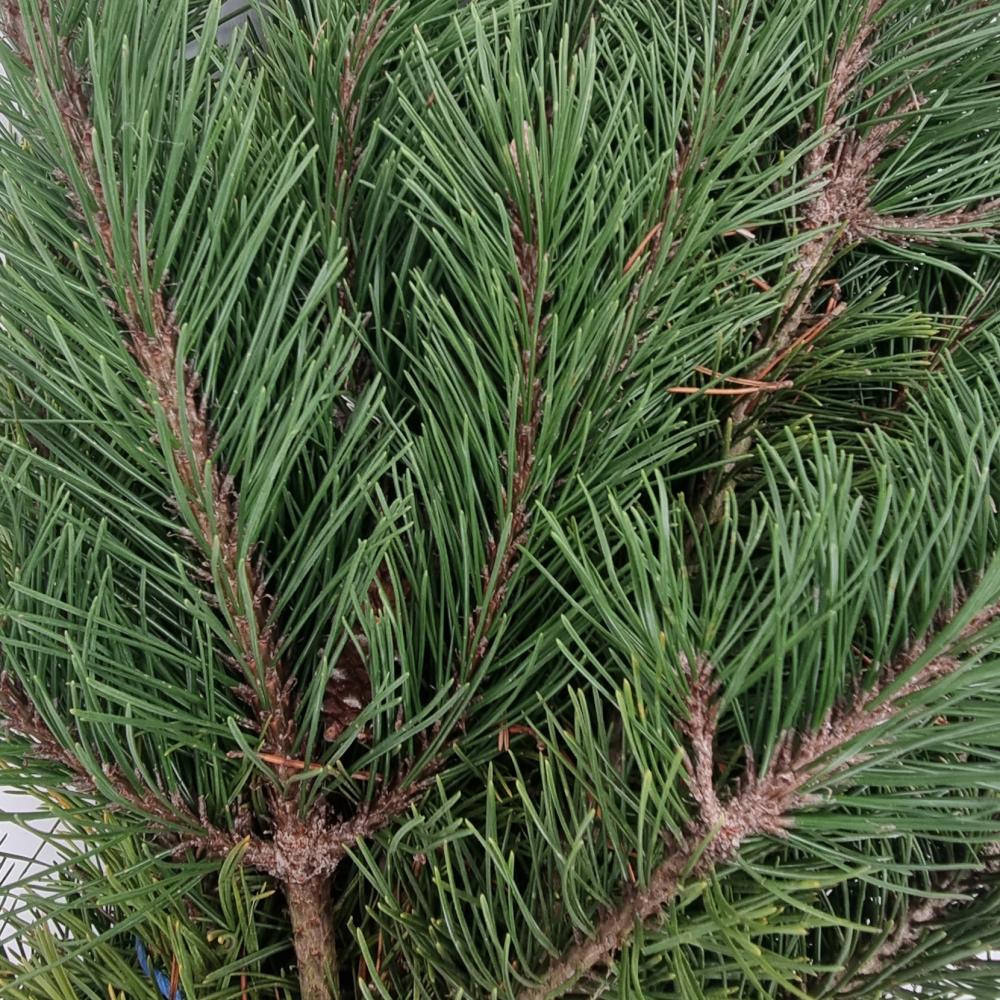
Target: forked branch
(304, 847)
(839, 214)
(762, 803)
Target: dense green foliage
(425, 282)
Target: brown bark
(309, 905)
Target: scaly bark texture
(312, 927)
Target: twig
(917, 918)
(502, 565)
(360, 47)
(838, 214)
(750, 382)
(748, 386)
(211, 503)
(745, 391)
(300, 765)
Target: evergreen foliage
(498, 499)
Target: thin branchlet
(208, 502)
(170, 816)
(918, 916)
(843, 162)
(361, 46)
(700, 727)
(502, 564)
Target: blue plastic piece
(162, 981)
(140, 951)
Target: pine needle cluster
(499, 499)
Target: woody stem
(310, 908)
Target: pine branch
(502, 564)
(762, 803)
(918, 918)
(360, 47)
(303, 851)
(209, 495)
(295, 813)
(843, 161)
(839, 214)
(19, 715)
(917, 228)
